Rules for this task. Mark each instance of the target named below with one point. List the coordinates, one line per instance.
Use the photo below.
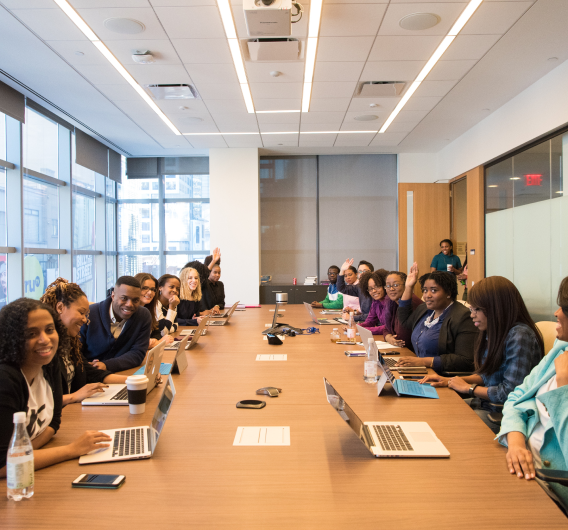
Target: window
(145, 213)
(145, 227)
(41, 144)
(145, 186)
(84, 274)
(145, 238)
(39, 271)
(41, 214)
(155, 186)
(82, 176)
(83, 222)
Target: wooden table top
(326, 478)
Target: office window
(131, 265)
(2, 136)
(3, 280)
(187, 186)
(82, 176)
(41, 144)
(175, 262)
(41, 214)
(39, 271)
(83, 222)
(84, 274)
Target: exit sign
(533, 180)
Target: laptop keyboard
(121, 396)
(410, 387)
(392, 438)
(128, 442)
(389, 361)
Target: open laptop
(224, 313)
(133, 443)
(229, 315)
(365, 335)
(403, 387)
(118, 394)
(389, 439)
(319, 321)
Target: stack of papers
(311, 280)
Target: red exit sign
(533, 180)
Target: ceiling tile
(249, 140)
(219, 91)
(329, 104)
(495, 17)
(341, 20)
(276, 90)
(187, 107)
(357, 140)
(182, 3)
(411, 116)
(68, 48)
(209, 51)
(388, 139)
(358, 1)
(225, 105)
(344, 48)
(100, 74)
(333, 89)
(399, 127)
(277, 104)
(29, 4)
(448, 13)
(373, 126)
(331, 71)
(449, 70)
(310, 127)
(162, 50)
(173, 141)
(317, 140)
(50, 24)
(151, 74)
(279, 127)
(422, 103)
(236, 122)
(364, 104)
(275, 140)
(80, 4)
(207, 141)
(392, 70)
(201, 22)
(292, 72)
(212, 73)
(404, 48)
(470, 47)
(332, 118)
(190, 127)
(95, 19)
(434, 88)
(118, 92)
(286, 119)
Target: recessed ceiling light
(366, 117)
(275, 73)
(127, 26)
(79, 53)
(193, 119)
(515, 178)
(373, 105)
(419, 21)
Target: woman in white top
(30, 381)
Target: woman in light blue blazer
(535, 415)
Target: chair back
(548, 331)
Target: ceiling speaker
(419, 21)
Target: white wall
(418, 167)
(235, 220)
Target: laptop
(224, 313)
(118, 394)
(320, 321)
(365, 335)
(133, 443)
(403, 387)
(229, 315)
(389, 439)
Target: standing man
(118, 334)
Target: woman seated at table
(348, 283)
(207, 304)
(149, 299)
(217, 286)
(167, 304)
(333, 298)
(443, 334)
(363, 267)
(395, 333)
(507, 349)
(188, 309)
(535, 414)
(373, 286)
(33, 340)
(446, 260)
(80, 380)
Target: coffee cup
(137, 386)
(449, 268)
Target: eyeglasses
(392, 286)
(475, 310)
(373, 289)
(146, 289)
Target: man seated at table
(333, 298)
(117, 336)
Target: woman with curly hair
(373, 286)
(80, 379)
(30, 381)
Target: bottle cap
(19, 417)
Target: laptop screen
(275, 317)
(161, 414)
(386, 369)
(346, 413)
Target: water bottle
(20, 461)
(351, 330)
(370, 374)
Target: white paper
(273, 357)
(262, 436)
(385, 345)
(280, 310)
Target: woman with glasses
(348, 283)
(507, 349)
(395, 333)
(373, 286)
(148, 299)
(443, 334)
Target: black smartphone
(99, 481)
(412, 377)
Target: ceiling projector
(268, 18)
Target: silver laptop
(133, 443)
(229, 315)
(319, 321)
(224, 314)
(365, 335)
(388, 439)
(118, 394)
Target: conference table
(325, 478)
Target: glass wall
(525, 216)
(3, 225)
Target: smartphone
(415, 377)
(99, 481)
(356, 353)
(412, 370)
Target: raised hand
(413, 275)
(346, 264)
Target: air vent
(274, 50)
(381, 89)
(173, 91)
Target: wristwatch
(472, 389)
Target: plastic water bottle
(20, 461)
(370, 374)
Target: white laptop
(224, 314)
(229, 315)
(386, 439)
(365, 335)
(118, 394)
(186, 344)
(133, 443)
(319, 321)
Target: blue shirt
(332, 289)
(440, 262)
(425, 339)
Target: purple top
(376, 319)
(393, 326)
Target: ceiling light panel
(311, 52)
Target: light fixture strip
(311, 51)
(280, 132)
(440, 50)
(88, 32)
(306, 97)
(276, 111)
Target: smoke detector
(142, 57)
